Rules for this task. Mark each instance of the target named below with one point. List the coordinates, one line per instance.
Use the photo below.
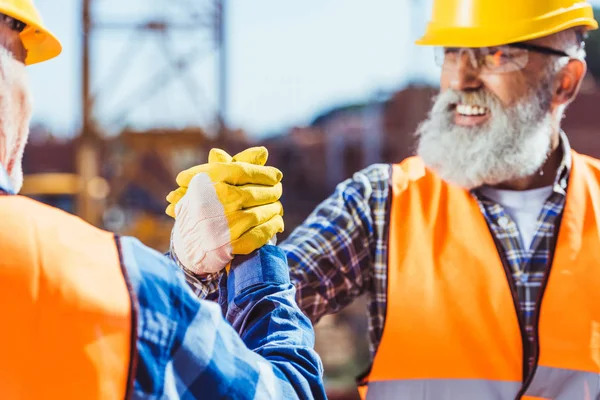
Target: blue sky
(288, 61)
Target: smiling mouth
(469, 110)
(470, 114)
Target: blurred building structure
(181, 34)
(135, 136)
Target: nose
(465, 77)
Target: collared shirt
(529, 266)
(340, 252)
(186, 349)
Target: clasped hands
(226, 207)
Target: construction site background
(119, 181)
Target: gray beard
(514, 143)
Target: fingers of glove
(170, 211)
(236, 173)
(258, 195)
(244, 220)
(253, 155)
(218, 155)
(234, 198)
(176, 195)
(258, 236)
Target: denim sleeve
(260, 285)
(187, 350)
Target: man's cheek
(444, 80)
(507, 88)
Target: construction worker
(90, 315)
(479, 255)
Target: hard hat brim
(40, 43)
(481, 36)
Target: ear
(568, 82)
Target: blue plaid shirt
(187, 350)
(340, 252)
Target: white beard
(15, 114)
(514, 143)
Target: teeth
(467, 109)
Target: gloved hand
(226, 207)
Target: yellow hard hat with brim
(484, 23)
(41, 44)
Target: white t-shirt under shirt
(523, 207)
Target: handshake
(226, 207)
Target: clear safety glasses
(494, 60)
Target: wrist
(273, 240)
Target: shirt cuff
(266, 266)
(201, 285)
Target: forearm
(230, 367)
(262, 309)
(331, 255)
(186, 349)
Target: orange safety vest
(452, 330)
(66, 310)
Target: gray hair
(571, 42)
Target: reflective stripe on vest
(66, 311)
(554, 383)
(451, 322)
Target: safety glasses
(498, 59)
(12, 23)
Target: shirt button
(503, 222)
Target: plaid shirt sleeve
(331, 255)
(187, 350)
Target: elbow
(302, 368)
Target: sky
(288, 61)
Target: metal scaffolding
(110, 104)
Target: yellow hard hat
(482, 23)
(41, 45)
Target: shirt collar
(564, 169)
(5, 183)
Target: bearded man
(479, 255)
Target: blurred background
(145, 88)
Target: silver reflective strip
(443, 389)
(549, 383)
(564, 384)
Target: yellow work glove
(226, 207)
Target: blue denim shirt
(187, 350)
